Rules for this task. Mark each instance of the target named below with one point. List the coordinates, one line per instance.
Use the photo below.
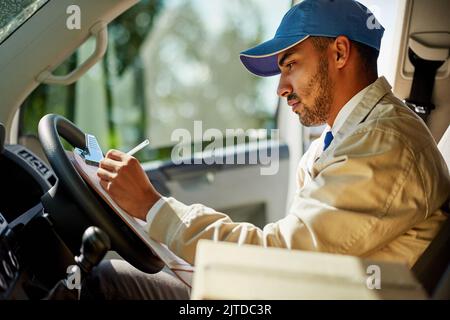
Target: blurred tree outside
(194, 72)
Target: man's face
(305, 82)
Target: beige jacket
(375, 192)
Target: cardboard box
(228, 271)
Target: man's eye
(289, 65)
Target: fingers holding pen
(110, 165)
(106, 175)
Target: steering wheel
(97, 212)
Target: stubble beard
(320, 83)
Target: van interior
(127, 70)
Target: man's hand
(125, 181)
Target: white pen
(138, 147)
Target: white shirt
(154, 210)
(309, 157)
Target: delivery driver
(371, 186)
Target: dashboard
(24, 179)
(26, 233)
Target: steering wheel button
(8, 270)
(2, 282)
(13, 259)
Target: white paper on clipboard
(179, 267)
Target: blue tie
(328, 138)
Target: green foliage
(131, 28)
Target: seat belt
(423, 83)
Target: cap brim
(262, 60)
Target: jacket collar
(376, 91)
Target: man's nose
(284, 88)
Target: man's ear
(341, 51)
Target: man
(371, 186)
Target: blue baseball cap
(324, 18)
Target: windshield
(13, 13)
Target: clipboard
(182, 269)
